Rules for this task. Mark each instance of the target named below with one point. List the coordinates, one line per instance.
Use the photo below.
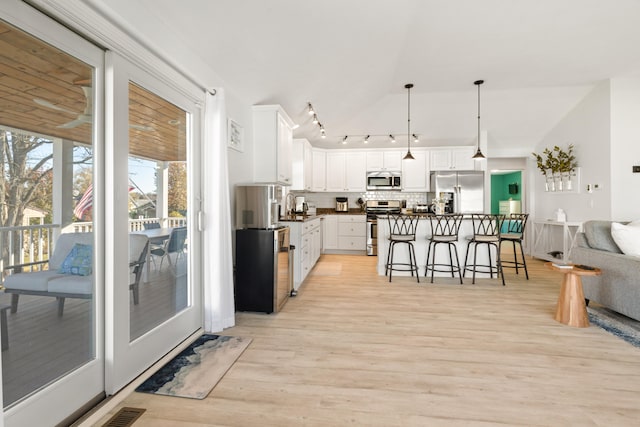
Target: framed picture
(235, 135)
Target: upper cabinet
(318, 170)
(346, 171)
(302, 165)
(272, 144)
(384, 160)
(455, 158)
(415, 173)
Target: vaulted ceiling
(351, 60)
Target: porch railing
(31, 243)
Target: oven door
(372, 236)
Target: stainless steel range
(373, 209)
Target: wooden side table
(571, 309)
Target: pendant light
(408, 156)
(478, 154)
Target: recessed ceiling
(351, 59)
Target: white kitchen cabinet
(384, 160)
(301, 165)
(305, 236)
(319, 170)
(335, 171)
(455, 158)
(352, 232)
(355, 171)
(330, 232)
(272, 144)
(346, 171)
(415, 173)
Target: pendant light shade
(408, 156)
(478, 154)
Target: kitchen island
(421, 244)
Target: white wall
(625, 149)
(587, 126)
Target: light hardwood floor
(353, 349)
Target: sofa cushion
(31, 281)
(71, 284)
(627, 237)
(63, 245)
(598, 234)
(79, 261)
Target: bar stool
(402, 229)
(444, 229)
(514, 233)
(486, 231)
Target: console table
(543, 241)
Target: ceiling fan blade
(141, 127)
(48, 104)
(77, 122)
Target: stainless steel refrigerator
(467, 188)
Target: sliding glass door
(153, 169)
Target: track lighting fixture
(392, 138)
(344, 140)
(478, 155)
(415, 138)
(366, 139)
(316, 120)
(408, 156)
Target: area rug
(616, 324)
(327, 269)
(197, 369)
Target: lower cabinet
(345, 232)
(307, 238)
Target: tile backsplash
(328, 200)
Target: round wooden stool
(571, 309)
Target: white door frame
(124, 360)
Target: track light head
(315, 119)
(366, 139)
(311, 110)
(344, 140)
(391, 137)
(415, 138)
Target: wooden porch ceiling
(42, 90)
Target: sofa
(618, 287)
(64, 275)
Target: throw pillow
(627, 237)
(598, 234)
(79, 261)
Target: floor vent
(125, 417)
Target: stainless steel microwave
(383, 180)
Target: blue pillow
(79, 261)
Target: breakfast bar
(421, 244)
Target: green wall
(500, 189)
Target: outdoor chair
(68, 271)
(175, 244)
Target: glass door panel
(158, 208)
(50, 315)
